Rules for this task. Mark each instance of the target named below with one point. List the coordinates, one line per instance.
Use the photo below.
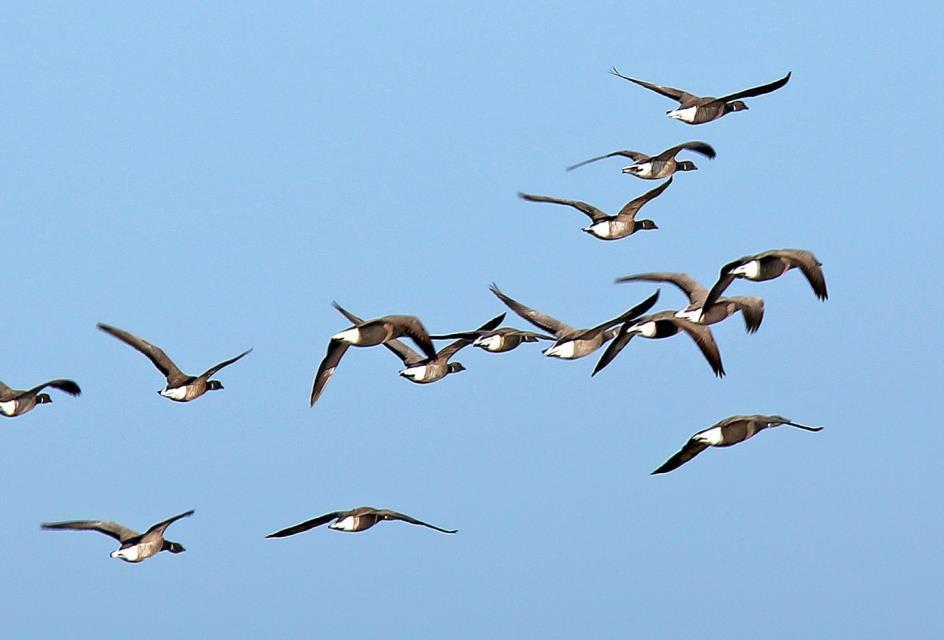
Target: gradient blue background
(211, 176)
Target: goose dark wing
(7, 394)
(612, 350)
(630, 208)
(705, 340)
(209, 372)
(806, 262)
(109, 528)
(724, 281)
(668, 92)
(387, 514)
(306, 525)
(412, 327)
(467, 335)
(691, 449)
(538, 319)
(336, 350)
(752, 308)
(773, 421)
(406, 354)
(67, 386)
(697, 146)
(683, 281)
(155, 354)
(355, 320)
(635, 156)
(163, 524)
(758, 91)
(595, 214)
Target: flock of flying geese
(706, 307)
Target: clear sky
(211, 176)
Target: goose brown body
(135, 546)
(353, 521)
(16, 402)
(693, 109)
(725, 433)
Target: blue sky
(212, 176)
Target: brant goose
(607, 227)
(135, 546)
(664, 324)
(358, 519)
(659, 166)
(369, 334)
(725, 433)
(695, 110)
(16, 402)
(751, 307)
(574, 343)
(425, 370)
(180, 387)
(767, 266)
(497, 340)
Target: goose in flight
(695, 110)
(425, 370)
(658, 166)
(16, 402)
(604, 226)
(768, 265)
(180, 386)
(369, 334)
(751, 307)
(574, 343)
(664, 324)
(354, 520)
(135, 546)
(497, 340)
(724, 434)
